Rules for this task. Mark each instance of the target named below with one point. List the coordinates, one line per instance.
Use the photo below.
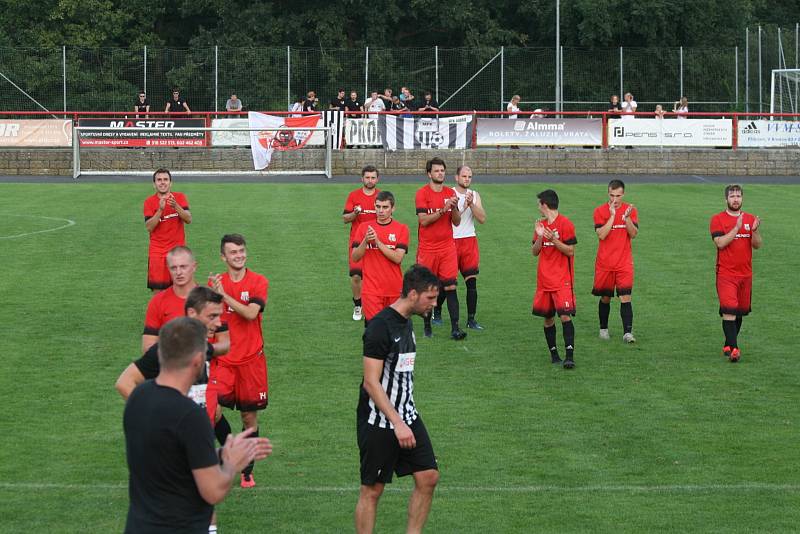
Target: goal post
(105, 158)
(784, 89)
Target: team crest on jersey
(392, 237)
(747, 226)
(244, 296)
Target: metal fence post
(64, 73)
(502, 80)
(288, 78)
(621, 75)
(366, 75)
(681, 89)
(760, 99)
(145, 70)
(736, 73)
(747, 70)
(561, 77)
(216, 78)
(436, 59)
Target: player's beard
(736, 209)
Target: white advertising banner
(35, 133)
(769, 133)
(670, 132)
(362, 132)
(540, 132)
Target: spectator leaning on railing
(513, 107)
(614, 105)
(629, 106)
(387, 98)
(338, 103)
(659, 111)
(354, 104)
(408, 99)
(233, 104)
(142, 105)
(681, 107)
(398, 105)
(311, 101)
(429, 104)
(177, 104)
(374, 104)
(297, 107)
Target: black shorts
(381, 454)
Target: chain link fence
(271, 78)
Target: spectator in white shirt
(681, 107)
(513, 107)
(629, 106)
(374, 104)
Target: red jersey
(169, 232)
(614, 252)
(438, 234)
(162, 308)
(556, 270)
(382, 277)
(367, 204)
(737, 258)
(247, 341)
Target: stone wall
(743, 162)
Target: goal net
(199, 151)
(784, 91)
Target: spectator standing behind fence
(311, 101)
(142, 104)
(429, 104)
(614, 105)
(659, 111)
(177, 104)
(297, 107)
(354, 104)
(398, 105)
(387, 98)
(408, 99)
(338, 103)
(233, 104)
(513, 107)
(629, 106)
(681, 107)
(374, 104)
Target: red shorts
(212, 403)
(242, 387)
(734, 294)
(549, 303)
(468, 255)
(157, 272)
(355, 266)
(443, 263)
(372, 304)
(605, 282)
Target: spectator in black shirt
(614, 105)
(429, 104)
(387, 98)
(311, 101)
(177, 104)
(354, 104)
(142, 104)
(176, 475)
(338, 102)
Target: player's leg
(565, 308)
(158, 277)
(421, 463)
(378, 451)
(436, 320)
(624, 285)
(472, 302)
(367, 507)
(431, 261)
(468, 262)
(355, 286)
(543, 307)
(603, 287)
(743, 296)
(251, 396)
(727, 291)
(419, 504)
(448, 275)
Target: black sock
(738, 324)
(729, 328)
(568, 330)
(426, 320)
(604, 310)
(222, 430)
(248, 470)
(626, 312)
(472, 297)
(437, 310)
(550, 337)
(452, 307)
(357, 302)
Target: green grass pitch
(664, 435)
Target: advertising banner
(362, 132)
(540, 132)
(165, 136)
(769, 133)
(425, 132)
(264, 143)
(332, 119)
(35, 133)
(670, 132)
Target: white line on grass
(69, 222)
(624, 488)
(704, 180)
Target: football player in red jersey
(239, 378)
(736, 234)
(616, 224)
(554, 244)
(165, 214)
(381, 245)
(358, 209)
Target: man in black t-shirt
(391, 435)
(177, 105)
(354, 104)
(311, 101)
(176, 475)
(338, 103)
(142, 104)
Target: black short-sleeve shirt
(149, 367)
(339, 104)
(353, 105)
(166, 437)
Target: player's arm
(358, 252)
(184, 214)
(755, 236)
(605, 229)
(566, 248)
(148, 340)
(631, 226)
(249, 311)
(394, 255)
(350, 216)
(723, 240)
(151, 221)
(451, 204)
(477, 208)
(426, 219)
(186, 107)
(128, 380)
(222, 344)
(536, 248)
(373, 370)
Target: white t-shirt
(513, 109)
(467, 226)
(375, 105)
(682, 109)
(629, 107)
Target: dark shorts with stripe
(381, 454)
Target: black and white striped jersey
(390, 337)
